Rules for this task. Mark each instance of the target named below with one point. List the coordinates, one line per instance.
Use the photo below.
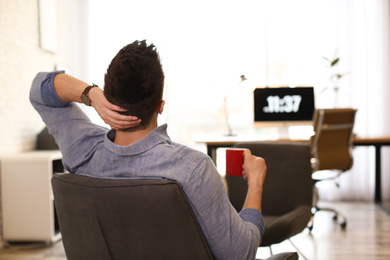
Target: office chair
(331, 148)
(104, 219)
(288, 187)
(126, 219)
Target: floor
(34, 252)
(367, 237)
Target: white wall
(21, 58)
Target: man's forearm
(253, 198)
(68, 88)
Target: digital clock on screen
(286, 104)
(283, 104)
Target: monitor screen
(283, 104)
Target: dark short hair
(135, 81)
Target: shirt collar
(157, 136)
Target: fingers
(254, 168)
(124, 124)
(110, 113)
(113, 107)
(119, 117)
(117, 121)
(247, 153)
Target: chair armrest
(284, 256)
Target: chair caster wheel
(343, 225)
(310, 227)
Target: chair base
(336, 217)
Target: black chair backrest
(288, 184)
(126, 219)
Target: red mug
(234, 161)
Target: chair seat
(325, 175)
(288, 189)
(288, 225)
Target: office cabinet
(27, 199)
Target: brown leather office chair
(331, 148)
(105, 219)
(287, 195)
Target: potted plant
(335, 76)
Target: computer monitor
(283, 107)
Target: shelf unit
(27, 199)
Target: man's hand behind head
(110, 112)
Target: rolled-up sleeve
(42, 90)
(253, 216)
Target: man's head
(135, 81)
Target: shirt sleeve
(42, 91)
(230, 235)
(68, 124)
(253, 216)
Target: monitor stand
(274, 132)
(285, 130)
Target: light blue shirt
(89, 149)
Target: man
(138, 147)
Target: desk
(215, 142)
(377, 142)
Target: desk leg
(378, 175)
(212, 151)
(378, 180)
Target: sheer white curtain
(206, 45)
(363, 34)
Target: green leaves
(332, 62)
